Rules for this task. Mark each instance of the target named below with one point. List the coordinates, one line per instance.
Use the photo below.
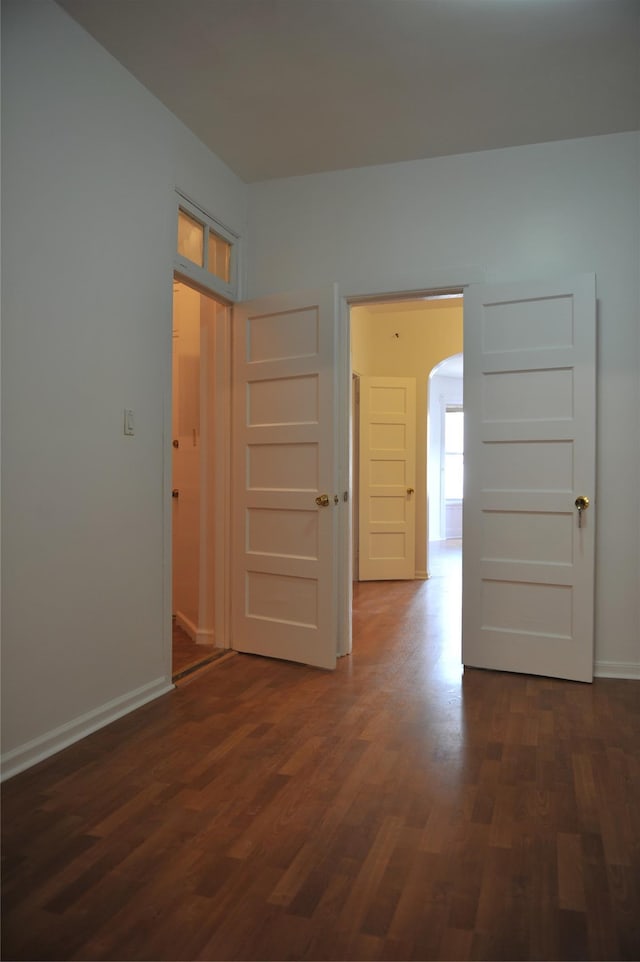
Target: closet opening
(197, 420)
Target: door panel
(529, 386)
(283, 582)
(387, 478)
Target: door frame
(347, 295)
(430, 284)
(221, 455)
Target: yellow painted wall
(428, 332)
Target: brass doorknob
(582, 502)
(322, 500)
(175, 493)
(410, 490)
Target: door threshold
(201, 663)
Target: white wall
(90, 163)
(506, 215)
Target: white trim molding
(617, 669)
(200, 636)
(187, 625)
(32, 752)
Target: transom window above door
(205, 250)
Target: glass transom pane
(190, 238)
(219, 257)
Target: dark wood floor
(393, 809)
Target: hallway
(396, 808)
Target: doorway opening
(445, 462)
(399, 485)
(197, 419)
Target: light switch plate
(129, 426)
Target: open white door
(387, 471)
(528, 565)
(284, 577)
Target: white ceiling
(284, 87)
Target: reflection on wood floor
(396, 808)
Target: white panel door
(528, 565)
(283, 578)
(387, 478)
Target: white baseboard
(617, 669)
(201, 636)
(187, 625)
(54, 741)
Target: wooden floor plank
(396, 808)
